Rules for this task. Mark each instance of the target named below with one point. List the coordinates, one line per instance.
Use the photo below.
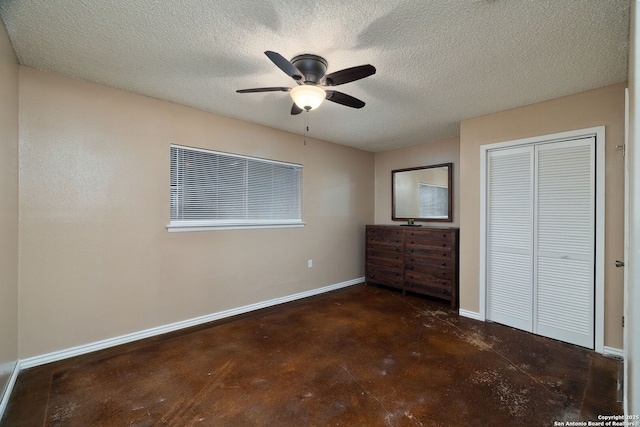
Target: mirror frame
(449, 217)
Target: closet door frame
(599, 134)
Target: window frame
(181, 225)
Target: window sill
(184, 227)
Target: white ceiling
(438, 62)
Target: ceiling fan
(308, 71)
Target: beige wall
(96, 258)
(604, 106)
(429, 153)
(8, 209)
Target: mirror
(422, 193)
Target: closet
(540, 238)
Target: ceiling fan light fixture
(308, 97)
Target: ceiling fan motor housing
(313, 67)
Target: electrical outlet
(310, 263)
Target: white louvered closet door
(540, 239)
(565, 241)
(510, 237)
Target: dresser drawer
(437, 260)
(415, 252)
(385, 259)
(384, 276)
(430, 237)
(429, 289)
(386, 247)
(384, 239)
(385, 231)
(443, 276)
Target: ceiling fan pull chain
(306, 126)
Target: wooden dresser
(423, 260)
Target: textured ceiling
(438, 62)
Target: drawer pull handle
(444, 245)
(444, 263)
(444, 254)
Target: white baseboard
(469, 314)
(14, 368)
(123, 339)
(618, 353)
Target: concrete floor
(361, 356)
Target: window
(434, 201)
(211, 190)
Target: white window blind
(434, 201)
(210, 190)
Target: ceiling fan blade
(344, 99)
(286, 66)
(349, 75)
(264, 89)
(296, 110)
